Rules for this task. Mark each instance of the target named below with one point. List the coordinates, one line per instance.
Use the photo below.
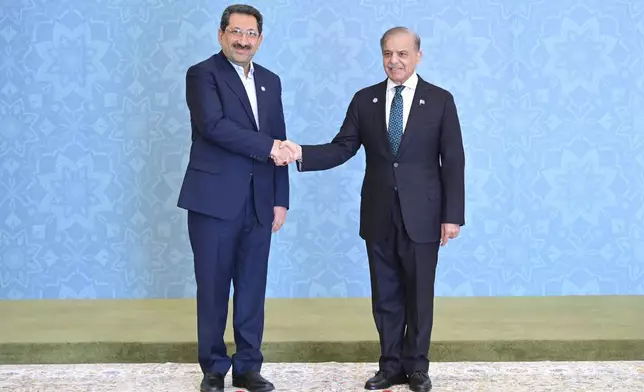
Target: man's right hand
(294, 148)
(280, 155)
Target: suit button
(396, 164)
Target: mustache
(394, 66)
(240, 46)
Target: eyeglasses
(252, 34)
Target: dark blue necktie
(396, 120)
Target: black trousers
(402, 290)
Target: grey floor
(510, 377)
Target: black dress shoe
(253, 381)
(420, 382)
(212, 383)
(382, 380)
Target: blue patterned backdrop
(95, 136)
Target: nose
(244, 40)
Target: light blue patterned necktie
(395, 130)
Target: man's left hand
(279, 217)
(449, 231)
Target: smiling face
(240, 39)
(400, 56)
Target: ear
(220, 36)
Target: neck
(245, 66)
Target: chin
(397, 76)
(241, 59)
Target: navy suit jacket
(427, 173)
(228, 148)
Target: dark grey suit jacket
(428, 172)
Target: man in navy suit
(413, 200)
(235, 196)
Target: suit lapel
(235, 84)
(414, 121)
(262, 100)
(381, 114)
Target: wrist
(299, 153)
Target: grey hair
(240, 9)
(399, 29)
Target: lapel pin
(422, 101)
(375, 100)
(263, 88)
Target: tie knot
(399, 89)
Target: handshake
(285, 152)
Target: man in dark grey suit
(413, 200)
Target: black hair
(240, 9)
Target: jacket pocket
(208, 167)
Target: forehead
(400, 41)
(242, 21)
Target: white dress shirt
(249, 85)
(407, 95)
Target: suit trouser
(226, 250)
(402, 289)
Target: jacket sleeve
(281, 172)
(343, 146)
(452, 158)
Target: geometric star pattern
(95, 136)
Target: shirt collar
(410, 83)
(240, 70)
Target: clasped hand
(286, 152)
